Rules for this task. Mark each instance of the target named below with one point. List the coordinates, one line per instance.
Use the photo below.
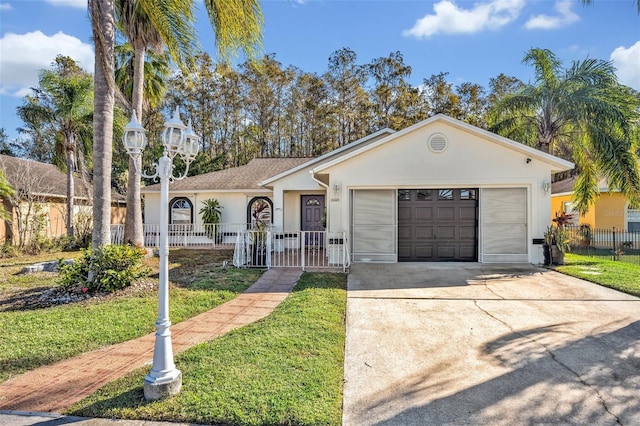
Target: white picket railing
(255, 248)
(292, 249)
(193, 236)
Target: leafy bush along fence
(611, 243)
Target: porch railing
(255, 248)
(191, 235)
(292, 249)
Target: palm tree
(102, 15)
(148, 24)
(6, 191)
(588, 2)
(582, 112)
(64, 102)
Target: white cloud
(545, 22)
(627, 61)
(451, 19)
(6, 6)
(22, 56)
(78, 4)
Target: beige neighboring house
(41, 190)
(440, 190)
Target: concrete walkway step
(55, 387)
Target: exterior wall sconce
(546, 186)
(336, 190)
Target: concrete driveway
(459, 343)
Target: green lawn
(619, 275)
(285, 369)
(30, 338)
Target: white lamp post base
(157, 391)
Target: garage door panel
(424, 213)
(405, 252)
(447, 252)
(467, 252)
(467, 233)
(447, 232)
(424, 252)
(404, 213)
(424, 232)
(467, 213)
(405, 232)
(446, 213)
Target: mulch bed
(45, 297)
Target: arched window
(180, 211)
(259, 212)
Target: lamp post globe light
(164, 379)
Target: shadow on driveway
(519, 346)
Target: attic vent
(437, 143)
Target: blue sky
(471, 40)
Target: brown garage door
(437, 225)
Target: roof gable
(380, 134)
(557, 164)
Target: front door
(437, 225)
(312, 218)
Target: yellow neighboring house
(610, 210)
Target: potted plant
(211, 214)
(548, 242)
(561, 245)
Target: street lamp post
(164, 378)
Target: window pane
(404, 195)
(467, 194)
(181, 216)
(313, 202)
(445, 194)
(423, 194)
(633, 220)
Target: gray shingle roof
(567, 185)
(42, 179)
(244, 177)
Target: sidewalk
(55, 387)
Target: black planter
(546, 250)
(557, 256)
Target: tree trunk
(71, 190)
(133, 228)
(103, 25)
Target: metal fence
(616, 244)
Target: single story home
(40, 200)
(440, 190)
(611, 209)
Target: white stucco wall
(234, 205)
(469, 161)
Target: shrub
(109, 268)
(8, 250)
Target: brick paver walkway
(55, 387)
